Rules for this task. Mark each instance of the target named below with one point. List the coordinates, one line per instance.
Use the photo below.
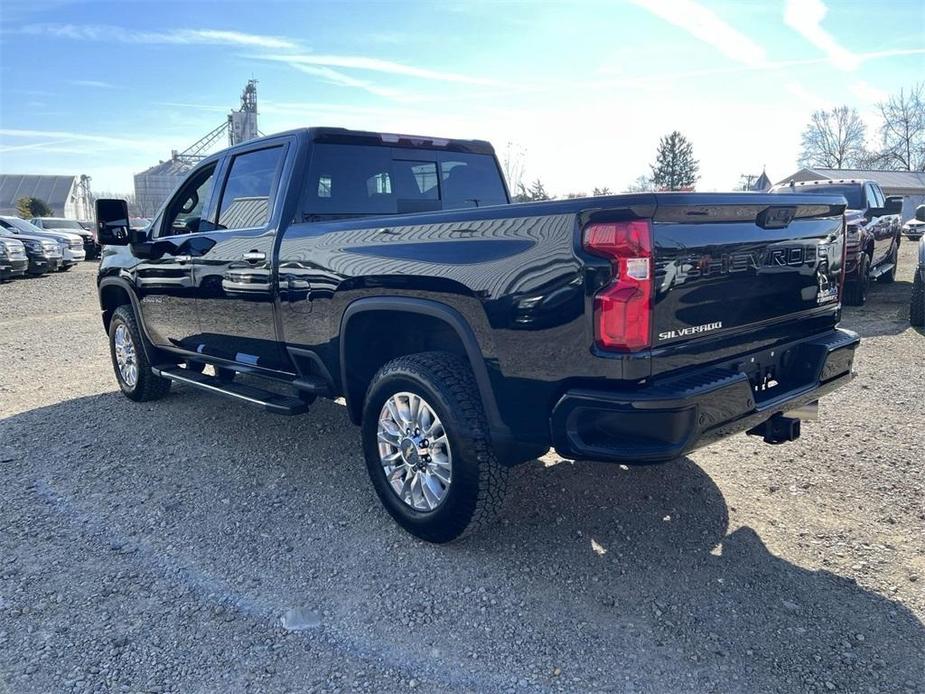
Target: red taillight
(622, 310)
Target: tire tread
(452, 374)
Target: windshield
(852, 193)
(51, 223)
(21, 224)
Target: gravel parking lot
(195, 544)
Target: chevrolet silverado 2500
(467, 334)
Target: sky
(581, 90)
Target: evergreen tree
(28, 207)
(535, 193)
(675, 167)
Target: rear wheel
(133, 372)
(427, 449)
(917, 305)
(890, 275)
(856, 290)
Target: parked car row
(72, 226)
(29, 250)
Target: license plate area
(773, 372)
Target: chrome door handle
(255, 256)
(182, 259)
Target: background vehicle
(873, 230)
(917, 302)
(72, 247)
(91, 246)
(13, 259)
(914, 229)
(467, 334)
(44, 254)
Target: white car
(72, 244)
(914, 229)
(72, 226)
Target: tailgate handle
(776, 217)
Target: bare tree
(834, 139)
(642, 184)
(602, 191)
(902, 130)
(513, 164)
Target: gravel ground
(195, 544)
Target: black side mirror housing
(112, 225)
(920, 213)
(893, 205)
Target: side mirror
(893, 205)
(112, 226)
(920, 213)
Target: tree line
(837, 138)
(675, 168)
(833, 139)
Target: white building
(67, 196)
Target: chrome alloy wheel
(126, 358)
(414, 451)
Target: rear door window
(247, 200)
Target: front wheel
(917, 305)
(133, 372)
(427, 449)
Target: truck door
(878, 224)
(164, 281)
(233, 269)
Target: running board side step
(272, 402)
(882, 270)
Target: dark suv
(874, 230)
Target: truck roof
(824, 182)
(366, 137)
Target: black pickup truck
(466, 334)
(874, 231)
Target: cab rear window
(350, 180)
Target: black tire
(148, 385)
(917, 304)
(856, 290)
(890, 276)
(478, 480)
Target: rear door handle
(255, 256)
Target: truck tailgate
(735, 265)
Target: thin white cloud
(704, 24)
(105, 32)
(66, 135)
(96, 84)
(339, 78)
(359, 62)
(805, 17)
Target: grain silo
(154, 186)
